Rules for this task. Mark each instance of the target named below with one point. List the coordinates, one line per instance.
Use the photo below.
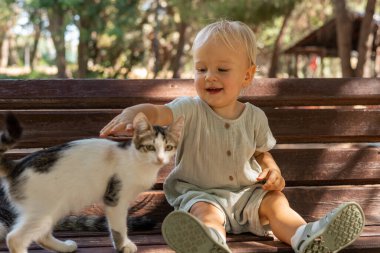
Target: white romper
(215, 162)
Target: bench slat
(315, 91)
(324, 125)
(241, 243)
(51, 127)
(310, 166)
(311, 202)
(34, 94)
(320, 166)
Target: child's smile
(213, 90)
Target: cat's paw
(129, 247)
(71, 246)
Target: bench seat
(327, 131)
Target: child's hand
(272, 180)
(120, 125)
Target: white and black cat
(49, 184)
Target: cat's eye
(150, 148)
(169, 148)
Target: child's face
(220, 75)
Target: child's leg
(335, 231)
(199, 232)
(210, 215)
(284, 221)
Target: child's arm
(271, 172)
(122, 123)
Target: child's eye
(150, 148)
(169, 148)
(201, 70)
(222, 70)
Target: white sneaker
(337, 230)
(184, 233)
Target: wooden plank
(312, 202)
(76, 93)
(362, 245)
(315, 201)
(99, 241)
(324, 125)
(243, 244)
(85, 94)
(330, 166)
(45, 128)
(307, 166)
(315, 91)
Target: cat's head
(155, 143)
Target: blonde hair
(232, 33)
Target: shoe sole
(345, 226)
(185, 234)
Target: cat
(49, 184)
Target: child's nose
(210, 76)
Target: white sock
(297, 235)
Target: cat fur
(52, 183)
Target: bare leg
(210, 215)
(49, 242)
(283, 220)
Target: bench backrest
(328, 130)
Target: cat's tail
(7, 214)
(99, 223)
(8, 138)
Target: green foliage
(32, 75)
(5, 12)
(113, 35)
(254, 12)
(119, 35)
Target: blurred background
(130, 39)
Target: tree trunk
(344, 33)
(1, 48)
(13, 56)
(176, 64)
(57, 30)
(365, 44)
(83, 53)
(4, 53)
(276, 50)
(37, 35)
(377, 61)
(156, 42)
(3, 33)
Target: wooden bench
(328, 133)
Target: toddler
(225, 179)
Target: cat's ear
(176, 128)
(141, 123)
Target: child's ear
(250, 74)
